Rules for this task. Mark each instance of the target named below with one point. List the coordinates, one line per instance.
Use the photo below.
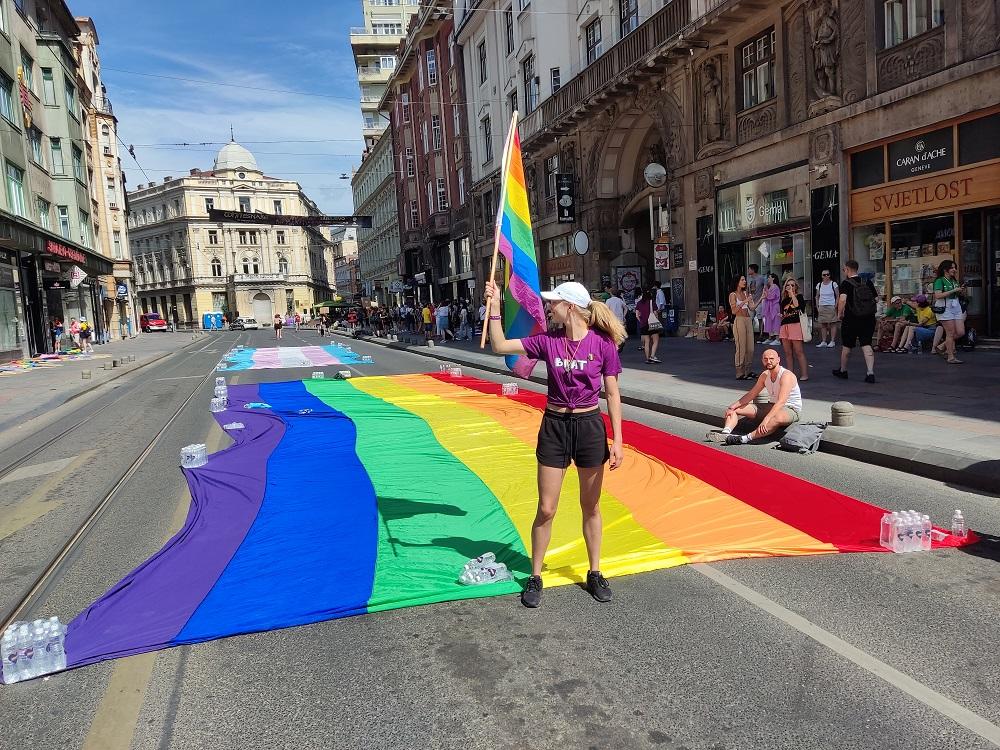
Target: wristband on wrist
(494, 317)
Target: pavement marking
(117, 716)
(178, 377)
(38, 470)
(37, 504)
(914, 688)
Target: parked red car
(152, 322)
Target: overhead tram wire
(352, 99)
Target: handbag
(807, 329)
(653, 324)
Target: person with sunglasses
(792, 305)
(827, 292)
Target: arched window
(105, 134)
(283, 265)
(256, 265)
(216, 267)
(246, 265)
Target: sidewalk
(28, 394)
(923, 415)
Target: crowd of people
(763, 309)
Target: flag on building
(524, 314)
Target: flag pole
(505, 162)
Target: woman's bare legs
(550, 481)
(590, 504)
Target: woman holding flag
(580, 356)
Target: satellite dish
(655, 174)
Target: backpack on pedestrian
(863, 297)
(803, 438)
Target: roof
(234, 156)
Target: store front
(931, 196)
(12, 331)
(49, 279)
(766, 221)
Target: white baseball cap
(571, 291)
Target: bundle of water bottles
(33, 649)
(909, 531)
(221, 396)
(483, 569)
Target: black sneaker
(870, 378)
(842, 374)
(734, 440)
(532, 594)
(598, 586)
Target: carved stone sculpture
(530, 180)
(712, 113)
(825, 46)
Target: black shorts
(580, 438)
(857, 332)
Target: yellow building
(187, 266)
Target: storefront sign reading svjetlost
(959, 189)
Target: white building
(374, 46)
(187, 266)
(374, 187)
(107, 188)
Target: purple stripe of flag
(226, 495)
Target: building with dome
(186, 265)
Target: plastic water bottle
(56, 645)
(487, 558)
(928, 528)
(221, 391)
(885, 530)
(39, 640)
(8, 647)
(220, 381)
(25, 652)
(958, 525)
(509, 389)
(487, 574)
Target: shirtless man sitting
(783, 410)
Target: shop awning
(16, 234)
(89, 261)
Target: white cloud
(156, 110)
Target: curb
(941, 464)
(26, 419)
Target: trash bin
(670, 325)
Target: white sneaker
(821, 345)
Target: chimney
(167, 179)
(195, 171)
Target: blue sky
(294, 47)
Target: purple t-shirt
(575, 369)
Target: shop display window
(918, 246)
(869, 252)
(787, 254)
(970, 261)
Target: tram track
(127, 391)
(49, 573)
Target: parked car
(152, 322)
(244, 324)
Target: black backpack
(862, 298)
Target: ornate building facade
(374, 188)
(187, 266)
(107, 188)
(426, 105)
(794, 134)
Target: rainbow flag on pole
(524, 314)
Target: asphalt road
(852, 650)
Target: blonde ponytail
(599, 316)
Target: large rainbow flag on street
(524, 313)
(341, 498)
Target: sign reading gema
(281, 220)
(565, 201)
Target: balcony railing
(610, 67)
(103, 104)
(257, 278)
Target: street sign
(121, 290)
(565, 201)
